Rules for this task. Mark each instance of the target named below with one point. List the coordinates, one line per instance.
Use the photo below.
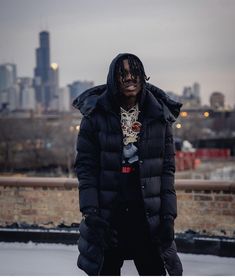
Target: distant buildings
(43, 94)
(49, 96)
(46, 78)
(9, 91)
(77, 87)
(13, 97)
(7, 76)
(174, 96)
(27, 93)
(64, 100)
(217, 101)
(191, 96)
(40, 93)
(54, 86)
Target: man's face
(129, 87)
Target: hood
(171, 108)
(112, 86)
(110, 98)
(87, 101)
(107, 96)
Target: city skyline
(179, 42)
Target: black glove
(171, 260)
(166, 234)
(106, 236)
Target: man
(125, 166)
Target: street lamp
(184, 114)
(178, 125)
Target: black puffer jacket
(99, 150)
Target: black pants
(134, 243)
(147, 262)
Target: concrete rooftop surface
(58, 259)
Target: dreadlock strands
(136, 68)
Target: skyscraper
(7, 75)
(191, 96)
(217, 100)
(9, 91)
(196, 90)
(78, 87)
(54, 81)
(42, 71)
(64, 100)
(27, 93)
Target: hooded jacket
(100, 143)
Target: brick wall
(43, 201)
(204, 206)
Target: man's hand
(107, 236)
(171, 260)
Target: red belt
(127, 169)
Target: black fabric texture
(171, 260)
(167, 234)
(91, 248)
(134, 242)
(99, 153)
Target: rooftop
(59, 259)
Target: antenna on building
(47, 25)
(43, 24)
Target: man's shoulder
(157, 92)
(87, 101)
(170, 107)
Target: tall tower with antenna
(42, 71)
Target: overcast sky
(179, 41)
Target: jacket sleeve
(168, 195)
(87, 165)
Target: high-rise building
(28, 99)
(54, 86)
(9, 91)
(14, 97)
(196, 90)
(4, 103)
(43, 57)
(27, 93)
(64, 99)
(217, 100)
(8, 75)
(78, 87)
(10, 98)
(42, 71)
(187, 92)
(191, 96)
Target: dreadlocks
(136, 68)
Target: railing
(203, 205)
(180, 184)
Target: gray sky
(179, 41)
